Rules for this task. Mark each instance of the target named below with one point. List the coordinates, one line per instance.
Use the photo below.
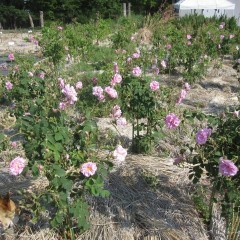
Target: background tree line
(14, 13)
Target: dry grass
(134, 210)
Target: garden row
(55, 108)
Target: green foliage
(151, 179)
(56, 146)
(201, 202)
(223, 142)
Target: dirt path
(17, 43)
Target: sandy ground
(17, 43)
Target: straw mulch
(135, 210)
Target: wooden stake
(41, 19)
(129, 9)
(124, 9)
(30, 19)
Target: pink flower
(40, 168)
(124, 51)
(172, 121)
(227, 167)
(202, 135)
(67, 156)
(189, 43)
(70, 93)
(163, 64)
(112, 93)
(60, 28)
(11, 56)
(129, 59)
(231, 36)
(222, 25)
(183, 95)
(97, 91)
(117, 78)
(116, 111)
(35, 42)
(9, 85)
(79, 85)
(41, 75)
(27, 114)
(189, 36)
(136, 55)
(14, 144)
(16, 166)
(88, 169)
(94, 80)
(101, 98)
(119, 154)
(236, 113)
(121, 121)
(62, 105)
(61, 82)
(222, 36)
(168, 46)
(31, 39)
(30, 74)
(187, 87)
(136, 71)
(154, 85)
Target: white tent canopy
(204, 4)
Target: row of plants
(55, 109)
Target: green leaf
(67, 184)
(35, 170)
(59, 171)
(2, 136)
(58, 136)
(56, 155)
(105, 193)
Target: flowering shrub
(129, 89)
(218, 155)
(56, 146)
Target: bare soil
(17, 43)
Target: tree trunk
(31, 21)
(41, 19)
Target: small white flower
(11, 43)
